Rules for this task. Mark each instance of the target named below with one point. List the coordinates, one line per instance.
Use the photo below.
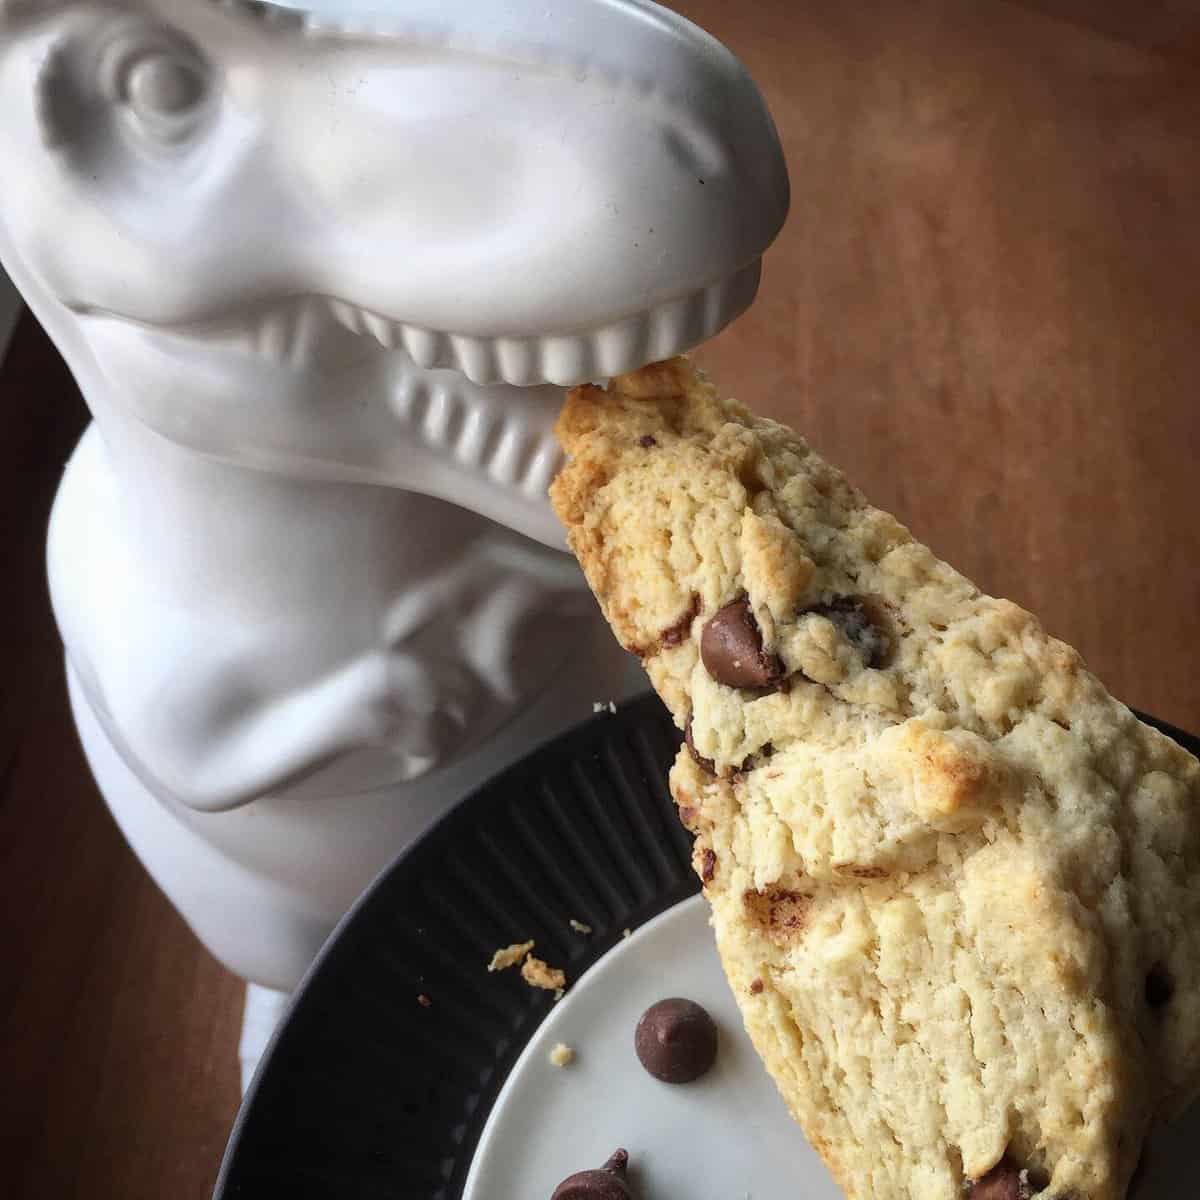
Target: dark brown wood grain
(1170, 27)
(985, 306)
(119, 1032)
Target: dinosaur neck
(213, 532)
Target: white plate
(726, 1136)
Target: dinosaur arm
(220, 746)
(442, 671)
(218, 752)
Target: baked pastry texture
(954, 883)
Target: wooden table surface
(986, 306)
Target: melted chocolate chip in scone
(731, 648)
(1005, 1181)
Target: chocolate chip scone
(954, 883)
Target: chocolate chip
(708, 865)
(605, 1183)
(674, 634)
(1005, 1181)
(756, 987)
(731, 649)
(676, 1040)
(700, 760)
(1159, 988)
(646, 441)
(861, 623)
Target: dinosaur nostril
(695, 151)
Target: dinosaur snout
(486, 186)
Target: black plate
(364, 1093)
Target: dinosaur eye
(158, 80)
(162, 84)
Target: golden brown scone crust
(954, 883)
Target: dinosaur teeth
(437, 420)
(347, 315)
(475, 358)
(669, 325)
(290, 333)
(621, 344)
(473, 438)
(564, 359)
(545, 462)
(517, 360)
(505, 464)
(305, 331)
(423, 345)
(495, 442)
(383, 331)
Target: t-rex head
(226, 201)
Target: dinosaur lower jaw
(294, 333)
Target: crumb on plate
(509, 956)
(541, 975)
(562, 1055)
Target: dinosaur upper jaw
(311, 386)
(294, 334)
(566, 359)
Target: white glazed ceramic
(315, 275)
(549, 1122)
(10, 309)
(725, 1137)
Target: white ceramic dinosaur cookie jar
(318, 275)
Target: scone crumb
(562, 1055)
(424, 1001)
(626, 933)
(509, 956)
(608, 706)
(579, 927)
(541, 975)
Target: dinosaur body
(318, 281)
